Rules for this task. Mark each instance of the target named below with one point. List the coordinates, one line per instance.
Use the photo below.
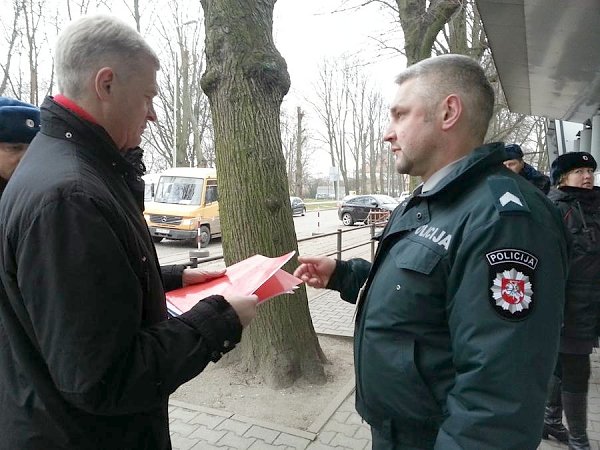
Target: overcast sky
(306, 32)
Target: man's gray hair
(90, 43)
(443, 75)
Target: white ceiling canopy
(547, 53)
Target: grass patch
(320, 204)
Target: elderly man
(517, 165)
(458, 316)
(87, 357)
(19, 123)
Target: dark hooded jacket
(87, 356)
(580, 209)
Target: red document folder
(258, 275)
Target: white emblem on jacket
(512, 291)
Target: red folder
(258, 275)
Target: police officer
(19, 123)
(459, 314)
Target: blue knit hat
(569, 161)
(19, 121)
(513, 151)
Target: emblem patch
(511, 273)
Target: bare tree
(332, 106)
(32, 14)
(245, 80)
(12, 34)
(184, 123)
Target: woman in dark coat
(579, 202)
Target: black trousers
(575, 372)
(380, 442)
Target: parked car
(357, 209)
(322, 196)
(403, 196)
(298, 206)
(345, 199)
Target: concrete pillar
(586, 140)
(595, 144)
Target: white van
(150, 182)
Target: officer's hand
(195, 276)
(315, 270)
(244, 306)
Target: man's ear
(452, 110)
(103, 82)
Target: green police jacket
(458, 320)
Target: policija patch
(511, 274)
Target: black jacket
(535, 177)
(87, 357)
(580, 209)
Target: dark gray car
(357, 209)
(298, 206)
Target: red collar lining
(74, 107)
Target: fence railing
(196, 256)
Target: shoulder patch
(507, 196)
(511, 280)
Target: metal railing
(195, 259)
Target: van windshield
(179, 190)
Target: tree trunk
(245, 81)
(421, 22)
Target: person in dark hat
(19, 123)
(517, 165)
(579, 203)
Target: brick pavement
(339, 427)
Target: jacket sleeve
(348, 278)
(172, 276)
(84, 300)
(502, 364)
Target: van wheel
(156, 239)
(204, 236)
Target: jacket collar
(62, 123)
(474, 163)
(415, 212)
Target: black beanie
(569, 161)
(513, 151)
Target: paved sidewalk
(339, 427)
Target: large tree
(245, 80)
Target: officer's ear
(451, 111)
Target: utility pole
(299, 142)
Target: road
(319, 222)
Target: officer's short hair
(456, 74)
